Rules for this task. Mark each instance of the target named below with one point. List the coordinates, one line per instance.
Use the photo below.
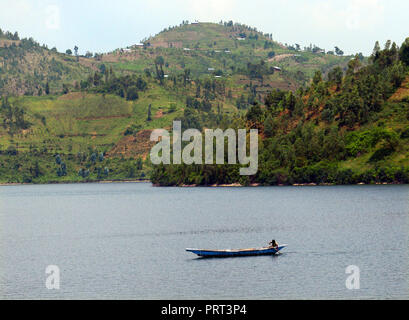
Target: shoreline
(231, 185)
(72, 182)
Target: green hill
(351, 128)
(96, 119)
(234, 51)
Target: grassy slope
(395, 117)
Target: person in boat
(274, 244)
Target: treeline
(8, 35)
(320, 173)
(12, 117)
(105, 81)
(86, 166)
(307, 136)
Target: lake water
(128, 240)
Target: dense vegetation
(322, 117)
(343, 130)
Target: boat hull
(235, 253)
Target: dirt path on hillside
(280, 57)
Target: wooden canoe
(236, 252)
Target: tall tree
(47, 88)
(159, 62)
(317, 77)
(64, 88)
(404, 52)
(76, 52)
(149, 113)
(186, 76)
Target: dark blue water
(127, 241)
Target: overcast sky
(101, 26)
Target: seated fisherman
(273, 244)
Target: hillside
(26, 67)
(351, 128)
(236, 52)
(96, 119)
(233, 51)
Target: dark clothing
(274, 244)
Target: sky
(102, 26)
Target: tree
(58, 159)
(404, 52)
(64, 88)
(271, 54)
(132, 93)
(377, 48)
(353, 66)
(159, 61)
(376, 52)
(149, 113)
(76, 52)
(68, 51)
(335, 76)
(269, 126)
(36, 171)
(186, 76)
(139, 164)
(338, 51)
(198, 91)
(290, 101)
(317, 77)
(97, 79)
(47, 88)
(254, 114)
